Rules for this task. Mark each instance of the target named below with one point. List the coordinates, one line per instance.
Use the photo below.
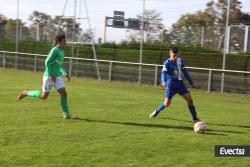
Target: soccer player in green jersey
(52, 76)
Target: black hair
(59, 38)
(174, 49)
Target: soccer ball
(200, 127)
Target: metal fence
(205, 78)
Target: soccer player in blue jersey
(171, 78)
(52, 76)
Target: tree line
(186, 31)
(189, 27)
(42, 28)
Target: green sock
(35, 93)
(64, 105)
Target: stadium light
(133, 23)
(118, 19)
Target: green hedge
(152, 53)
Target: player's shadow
(211, 132)
(239, 126)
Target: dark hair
(59, 38)
(174, 49)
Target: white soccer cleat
(69, 117)
(153, 114)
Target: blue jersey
(172, 71)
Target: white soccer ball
(200, 127)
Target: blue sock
(161, 107)
(192, 111)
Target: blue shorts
(175, 87)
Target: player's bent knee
(167, 103)
(190, 102)
(62, 92)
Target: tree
(234, 19)
(153, 27)
(65, 25)
(87, 36)
(213, 26)
(187, 30)
(245, 18)
(44, 27)
(2, 18)
(3, 21)
(10, 30)
(41, 25)
(24, 32)
(165, 36)
(235, 11)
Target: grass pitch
(113, 129)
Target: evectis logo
(236, 151)
(232, 151)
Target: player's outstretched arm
(187, 76)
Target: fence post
(139, 75)
(35, 64)
(209, 81)
(16, 61)
(222, 82)
(4, 60)
(156, 75)
(110, 70)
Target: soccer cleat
(23, 94)
(153, 114)
(69, 117)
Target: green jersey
(54, 63)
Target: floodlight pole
(246, 38)
(60, 21)
(225, 45)
(92, 42)
(202, 35)
(73, 40)
(38, 28)
(104, 35)
(37, 32)
(17, 32)
(141, 42)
